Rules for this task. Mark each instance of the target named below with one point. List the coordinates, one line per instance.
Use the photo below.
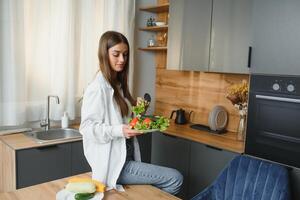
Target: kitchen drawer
(79, 163)
(42, 164)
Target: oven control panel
(285, 85)
(280, 85)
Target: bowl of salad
(146, 123)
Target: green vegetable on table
(84, 196)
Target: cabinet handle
(171, 136)
(47, 147)
(249, 56)
(215, 148)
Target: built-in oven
(273, 127)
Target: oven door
(273, 130)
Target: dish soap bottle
(65, 120)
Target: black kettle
(180, 116)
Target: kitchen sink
(53, 135)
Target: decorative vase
(241, 128)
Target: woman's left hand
(128, 132)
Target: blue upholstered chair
(249, 178)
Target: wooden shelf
(157, 8)
(155, 28)
(153, 49)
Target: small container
(149, 23)
(153, 22)
(65, 120)
(151, 42)
(160, 23)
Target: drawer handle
(215, 148)
(171, 136)
(47, 147)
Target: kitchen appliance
(273, 130)
(180, 116)
(217, 121)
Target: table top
(47, 191)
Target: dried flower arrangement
(238, 95)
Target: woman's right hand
(128, 132)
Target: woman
(110, 146)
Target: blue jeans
(166, 179)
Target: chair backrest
(252, 179)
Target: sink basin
(53, 135)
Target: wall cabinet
(189, 35)
(47, 163)
(276, 43)
(198, 163)
(206, 35)
(230, 36)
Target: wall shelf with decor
(154, 28)
(156, 8)
(154, 49)
(158, 42)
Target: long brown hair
(108, 40)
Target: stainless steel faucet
(46, 122)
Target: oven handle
(290, 100)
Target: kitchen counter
(226, 141)
(47, 191)
(20, 141)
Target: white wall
(144, 62)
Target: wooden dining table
(47, 191)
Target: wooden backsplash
(195, 91)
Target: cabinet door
(189, 34)
(145, 147)
(170, 151)
(276, 31)
(175, 32)
(206, 164)
(42, 164)
(230, 36)
(79, 163)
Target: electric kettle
(180, 116)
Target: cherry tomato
(133, 122)
(147, 121)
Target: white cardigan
(101, 126)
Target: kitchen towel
(67, 195)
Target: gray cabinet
(170, 151)
(79, 163)
(206, 35)
(205, 165)
(42, 164)
(145, 142)
(230, 36)
(47, 163)
(199, 164)
(276, 31)
(189, 34)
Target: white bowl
(160, 23)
